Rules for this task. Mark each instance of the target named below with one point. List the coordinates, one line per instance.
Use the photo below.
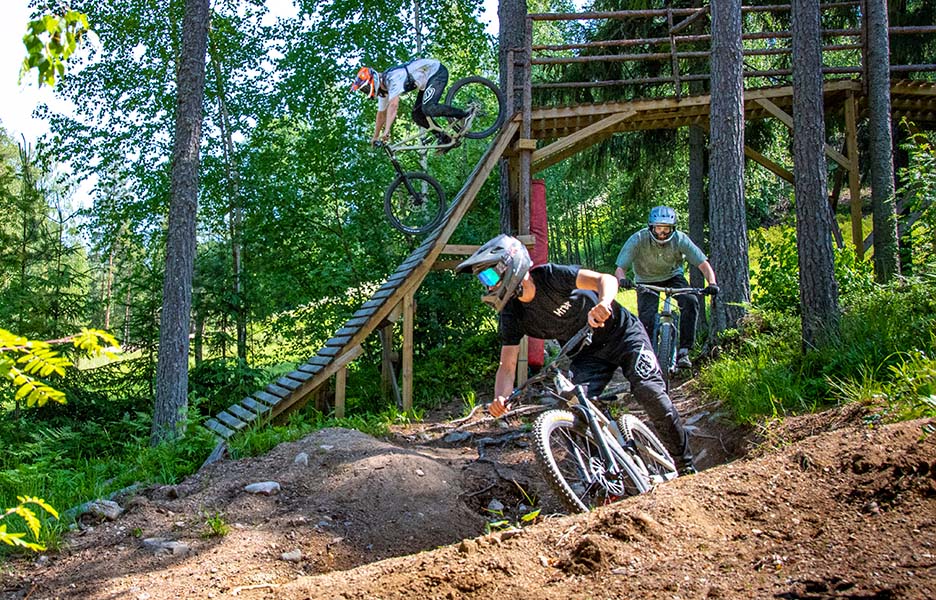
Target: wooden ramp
(291, 390)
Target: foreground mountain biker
(552, 301)
(427, 75)
(657, 255)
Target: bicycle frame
(604, 432)
(415, 141)
(669, 314)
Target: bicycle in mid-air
(665, 337)
(588, 458)
(415, 201)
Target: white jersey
(420, 70)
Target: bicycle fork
(616, 460)
(414, 194)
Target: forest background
(289, 185)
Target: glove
(711, 290)
(626, 284)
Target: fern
(32, 523)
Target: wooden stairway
(292, 389)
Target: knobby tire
(666, 351)
(414, 215)
(479, 90)
(646, 443)
(573, 466)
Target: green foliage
(775, 270)
(217, 383)
(918, 188)
(50, 40)
(215, 526)
(884, 355)
(24, 363)
(28, 515)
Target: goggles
(489, 277)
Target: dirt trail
(822, 507)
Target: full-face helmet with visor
(367, 80)
(500, 265)
(662, 224)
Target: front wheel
(484, 99)
(414, 203)
(666, 351)
(651, 451)
(573, 465)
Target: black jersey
(558, 310)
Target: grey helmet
(509, 259)
(662, 215)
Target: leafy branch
(23, 362)
(50, 40)
(32, 523)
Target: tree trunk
(727, 219)
(818, 290)
(696, 196)
(235, 212)
(171, 406)
(511, 15)
(886, 265)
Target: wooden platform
(556, 133)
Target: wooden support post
(386, 360)
(341, 380)
(854, 183)
(409, 314)
(526, 155)
(523, 365)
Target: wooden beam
(341, 381)
(409, 313)
(787, 120)
(569, 145)
(768, 164)
(854, 183)
(468, 249)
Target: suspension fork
(399, 169)
(595, 427)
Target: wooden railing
(680, 52)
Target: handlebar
(627, 284)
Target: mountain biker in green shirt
(657, 255)
(427, 75)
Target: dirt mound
(848, 513)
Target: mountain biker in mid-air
(427, 75)
(552, 301)
(657, 254)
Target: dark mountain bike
(589, 459)
(665, 337)
(415, 202)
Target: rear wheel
(484, 99)
(651, 451)
(414, 203)
(573, 465)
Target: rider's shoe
(444, 140)
(687, 470)
(682, 359)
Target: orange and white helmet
(367, 81)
